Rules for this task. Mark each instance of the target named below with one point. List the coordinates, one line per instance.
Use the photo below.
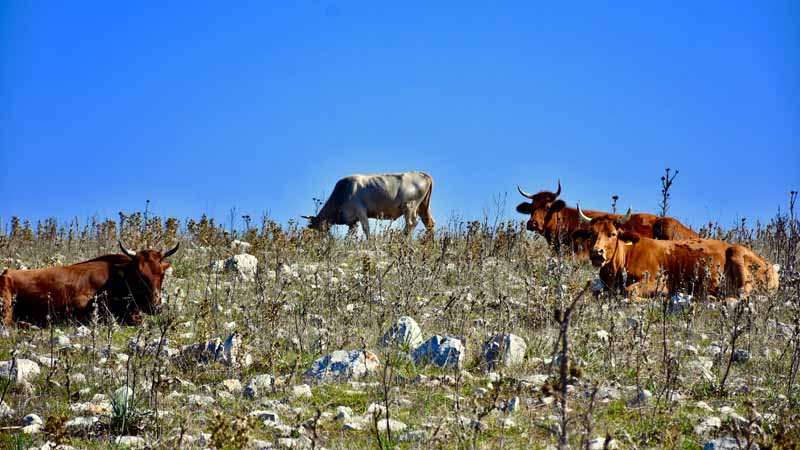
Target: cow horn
(524, 194)
(627, 216)
(130, 253)
(307, 217)
(558, 192)
(584, 217)
(171, 251)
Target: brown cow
(127, 284)
(552, 218)
(631, 262)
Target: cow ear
(629, 237)
(557, 206)
(580, 236)
(525, 208)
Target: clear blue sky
(261, 106)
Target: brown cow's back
(60, 291)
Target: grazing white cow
(357, 198)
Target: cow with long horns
(553, 219)
(640, 266)
(126, 284)
(357, 198)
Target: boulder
(238, 246)
(741, 356)
(259, 385)
(504, 349)
(440, 351)
(19, 371)
(708, 424)
(727, 443)
(343, 364)
(243, 266)
(404, 333)
(5, 410)
(228, 352)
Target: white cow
(357, 198)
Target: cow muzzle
(532, 226)
(597, 256)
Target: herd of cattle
(638, 254)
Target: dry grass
(316, 294)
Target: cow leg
(410, 216)
(362, 217)
(6, 300)
(737, 276)
(351, 229)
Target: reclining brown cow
(633, 263)
(551, 218)
(128, 284)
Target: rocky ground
(285, 339)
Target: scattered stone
(228, 352)
(302, 442)
(679, 303)
(642, 397)
(343, 413)
(597, 286)
(602, 335)
(61, 342)
(727, 443)
(259, 385)
(32, 424)
(506, 349)
(512, 404)
(232, 385)
(741, 356)
(199, 401)
(355, 424)
(394, 425)
(343, 364)
(266, 416)
(19, 371)
(536, 380)
(441, 351)
(32, 419)
(243, 266)
(258, 444)
(413, 436)
(240, 246)
(710, 423)
(602, 443)
(81, 423)
(700, 368)
(82, 331)
(703, 405)
(131, 442)
(77, 378)
(404, 333)
(606, 394)
(5, 410)
(302, 391)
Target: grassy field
(643, 373)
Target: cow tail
(424, 209)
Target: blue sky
(204, 107)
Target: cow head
(315, 223)
(604, 236)
(542, 209)
(144, 274)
